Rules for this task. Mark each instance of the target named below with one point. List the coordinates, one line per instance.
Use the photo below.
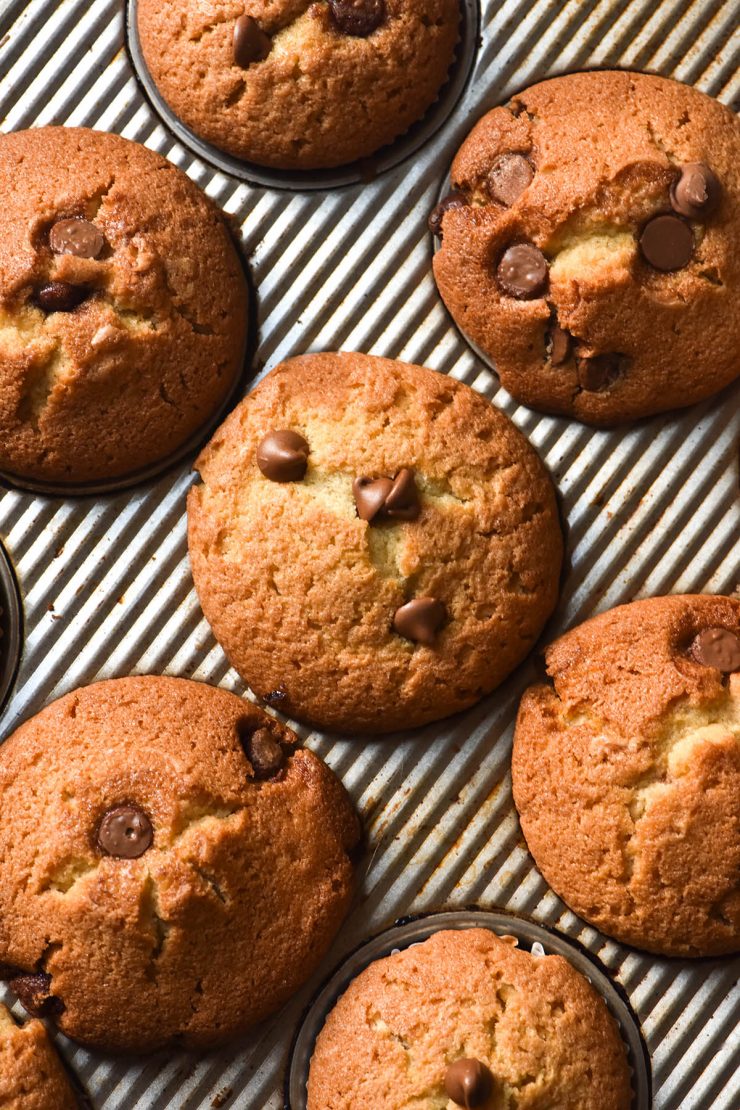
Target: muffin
(123, 307)
(31, 1075)
(626, 773)
(299, 85)
(172, 866)
(374, 545)
(591, 245)
(466, 1019)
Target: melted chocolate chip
(125, 833)
(358, 18)
(420, 620)
(78, 237)
(522, 271)
(264, 753)
(282, 456)
(717, 647)
(561, 343)
(697, 191)
(667, 243)
(597, 372)
(251, 44)
(436, 216)
(468, 1083)
(34, 994)
(393, 498)
(509, 177)
(60, 296)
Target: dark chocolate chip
(282, 456)
(34, 994)
(468, 1083)
(394, 498)
(276, 697)
(509, 177)
(358, 18)
(522, 271)
(370, 495)
(76, 236)
(264, 753)
(697, 191)
(717, 647)
(251, 44)
(597, 372)
(420, 620)
(667, 243)
(60, 296)
(561, 343)
(125, 832)
(436, 216)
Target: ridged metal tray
(650, 509)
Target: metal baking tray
(650, 509)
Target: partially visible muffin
(466, 1019)
(172, 866)
(591, 245)
(299, 84)
(123, 307)
(373, 543)
(626, 773)
(32, 1076)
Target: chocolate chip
(358, 18)
(34, 994)
(76, 236)
(468, 1083)
(282, 456)
(251, 44)
(667, 243)
(276, 697)
(560, 342)
(125, 832)
(60, 296)
(597, 372)
(395, 498)
(697, 191)
(420, 620)
(452, 200)
(264, 753)
(509, 177)
(717, 647)
(522, 271)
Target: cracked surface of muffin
(299, 84)
(393, 569)
(626, 188)
(539, 1033)
(626, 773)
(172, 868)
(32, 1076)
(123, 306)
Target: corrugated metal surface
(650, 509)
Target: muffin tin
(649, 509)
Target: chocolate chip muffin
(466, 1019)
(172, 866)
(123, 307)
(299, 84)
(374, 545)
(591, 245)
(31, 1074)
(626, 773)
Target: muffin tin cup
(414, 930)
(11, 624)
(364, 170)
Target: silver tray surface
(649, 509)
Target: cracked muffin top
(466, 1019)
(374, 545)
(123, 307)
(299, 84)
(172, 866)
(32, 1076)
(591, 245)
(626, 773)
